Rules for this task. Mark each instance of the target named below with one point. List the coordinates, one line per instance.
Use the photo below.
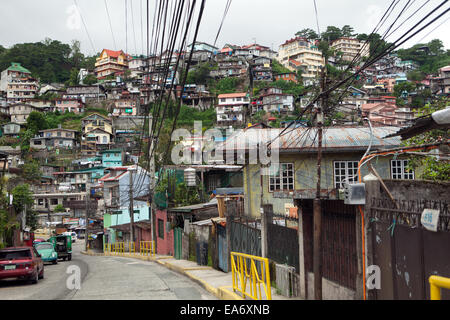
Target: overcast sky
(267, 22)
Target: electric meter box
(355, 194)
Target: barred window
(345, 171)
(161, 228)
(399, 170)
(283, 178)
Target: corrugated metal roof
(306, 138)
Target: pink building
(69, 105)
(384, 111)
(125, 106)
(164, 237)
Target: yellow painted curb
(204, 284)
(225, 294)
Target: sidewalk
(214, 281)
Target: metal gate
(339, 259)
(406, 253)
(223, 248)
(283, 245)
(245, 236)
(178, 243)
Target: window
(345, 170)
(283, 178)
(223, 100)
(161, 228)
(54, 202)
(399, 170)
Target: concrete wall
(330, 290)
(128, 123)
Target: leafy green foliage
(430, 56)
(376, 42)
(73, 79)
(307, 33)
(59, 208)
(48, 60)
(31, 172)
(36, 121)
(23, 201)
(89, 80)
(226, 85)
(201, 73)
(278, 68)
(186, 196)
(430, 167)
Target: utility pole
(152, 178)
(86, 217)
(131, 208)
(318, 201)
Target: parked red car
(22, 263)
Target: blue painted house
(112, 158)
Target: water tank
(190, 177)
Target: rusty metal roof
(306, 139)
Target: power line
(433, 30)
(317, 18)
(132, 22)
(85, 27)
(227, 7)
(110, 25)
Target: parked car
(21, 263)
(47, 252)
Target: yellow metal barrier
(436, 284)
(131, 247)
(244, 270)
(119, 247)
(147, 248)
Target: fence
(244, 273)
(436, 283)
(287, 280)
(146, 248)
(397, 242)
(245, 236)
(286, 251)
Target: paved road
(104, 278)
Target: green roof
(15, 66)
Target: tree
(404, 87)
(31, 171)
(332, 33)
(90, 79)
(201, 74)
(76, 57)
(308, 34)
(429, 167)
(36, 121)
(347, 31)
(74, 79)
(376, 43)
(23, 202)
